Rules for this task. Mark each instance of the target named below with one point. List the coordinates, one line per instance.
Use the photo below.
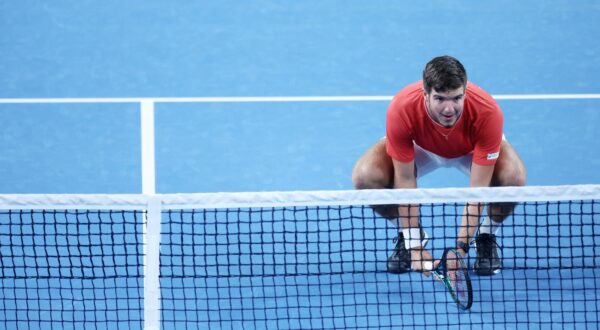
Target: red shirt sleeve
(488, 134)
(399, 137)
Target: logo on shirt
(493, 156)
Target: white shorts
(427, 162)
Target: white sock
(488, 226)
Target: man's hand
(419, 256)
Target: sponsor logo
(493, 155)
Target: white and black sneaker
(399, 262)
(488, 262)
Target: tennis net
(288, 260)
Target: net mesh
(70, 269)
(321, 265)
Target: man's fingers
(417, 266)
(421, 262)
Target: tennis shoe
(487, 263)
(399, 262)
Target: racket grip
(427, 265)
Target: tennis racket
(453, 272)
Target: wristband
(414, 238)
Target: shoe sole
(485, 272)
(398, 270)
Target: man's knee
(370, 176)
(510, 169)
(374, 170)
(515, 177)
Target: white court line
(250, 99)
(546, 96)
(148, 148)
(147, 114)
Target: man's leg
(509, 171)
(374, 170)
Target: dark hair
(444, 73)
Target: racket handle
(427, 265)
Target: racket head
(455, 271)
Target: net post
(147, 143)
(152, 264)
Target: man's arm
(405, 178)
(481, 176)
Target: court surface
(232, 49)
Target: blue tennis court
(264, 76)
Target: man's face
(445, 108)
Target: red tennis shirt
(477, 131)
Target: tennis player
(442, 121)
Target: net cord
(154, 205)
(302, 198)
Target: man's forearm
(405, 178)
(409, 215)
(481, 176)
(470, 222)
(414, 237)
